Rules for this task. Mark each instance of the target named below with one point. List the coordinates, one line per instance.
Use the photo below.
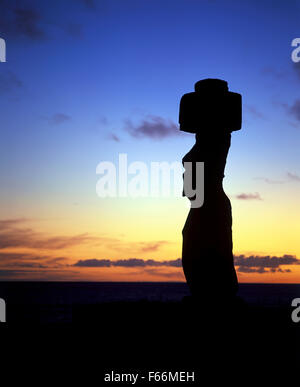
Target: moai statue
(212, 113)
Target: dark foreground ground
(58, 334)
(185, 335)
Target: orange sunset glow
(103, 246)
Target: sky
(87, 80)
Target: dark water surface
(53, 301)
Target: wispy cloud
(136, 247)
(73, 29)
(27, 22)
(151, 246)
(269, 181)
(28, 238)
(14, 234)
(15, 273)
(27, 19)
(131, 262)
(293, 176)
(10, 223)
(58, 118)
(18, 19)
(295, 109)
(173, 275)
(9, 81)
(114, 137)
(274, 72)
(89, 3)
(38, 274)
(17, 260)
(289, 176)
(249, 196)
(153, 127)
(296, 67)
(15, 257)
(103, 120)
(255, 112)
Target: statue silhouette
(212, 112)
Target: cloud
(132, 247)
(12, 257)
(255, 112)
(250, 264)
(38, 274)
(56, 260)
(153, 127)
(58, 118)
(295, 109)
(151, 246)
(27, 23)
(15, 265)
(169, 269)
(24, 18)
(11, 273)
(292, 110)
(103, 120)
(114, 137)
(289, 175)
(175, 275)
(89, 3)
(13, 236)
(30, 239)
(73, 29)
(134, 262)
(293, 176)
(273, 72)
(9, 81)
(249, 196)
(10, 223)
(32, 265)
(18, 19)
(296, 67)
(93, 263)
(269, 181)
(264, 264)
(16, 259)
(131, 262)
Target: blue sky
(99, 63)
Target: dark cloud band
(131, 262)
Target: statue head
(211, 107)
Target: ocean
(53, 301)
